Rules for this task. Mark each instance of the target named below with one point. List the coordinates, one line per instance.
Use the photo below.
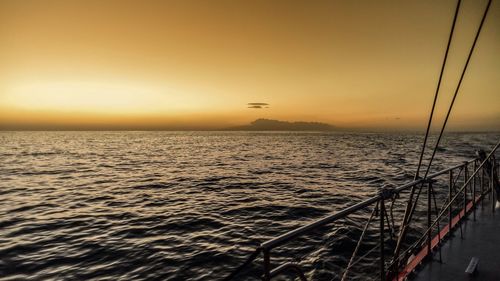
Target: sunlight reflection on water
(183, 205)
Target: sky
(151, 64)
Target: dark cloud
(257, 105)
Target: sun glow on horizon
(101, 97)
(198, 64)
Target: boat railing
(467, 183)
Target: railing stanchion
(474, 191)
(460, 216)
(498, 166)
(492, 187)
(449, 200)
(267, 265)
(437, 220)
(429, 233)
(466, 177)
(481, 182)
(382, 260)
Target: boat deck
(480, 239)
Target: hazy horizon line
(259, 124)
(338, 130)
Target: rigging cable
(471, 51)
(458, 86)
(453, 100)
(443, 66)
(350, 264)
(253, 255)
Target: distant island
(276, 125)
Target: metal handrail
(349, 210)
(320, 222)
(458, 192)
(266, 247)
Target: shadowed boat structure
(448, 242)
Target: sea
(140, 205)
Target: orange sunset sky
(97, 64)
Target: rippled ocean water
(187, 205)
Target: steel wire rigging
(412, 205)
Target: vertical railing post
(481, 182)
(492, 187)
(450, 187)
(382, 258)
(267, 265)
(437, 220)
(466, 176)
(429, 232)
(474, 191)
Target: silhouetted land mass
(276, 125)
